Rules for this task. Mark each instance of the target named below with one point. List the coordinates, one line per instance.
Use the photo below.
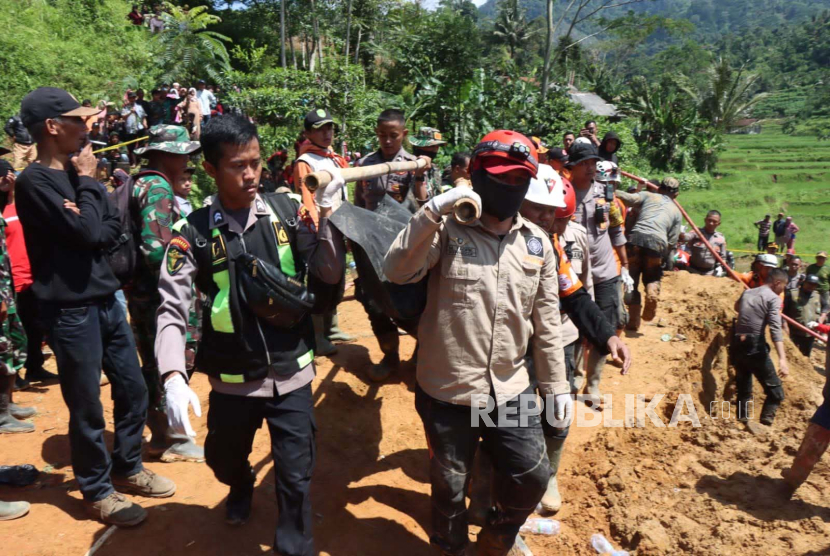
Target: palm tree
(186, 49)
(511, 27)
(726, 96)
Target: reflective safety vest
(235, 345)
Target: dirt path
(659, 490)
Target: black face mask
(498, 199)
(421, 152)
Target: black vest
(253, 347)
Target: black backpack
(124, 256)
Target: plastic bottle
(540, 526)
(603, 546)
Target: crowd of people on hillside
(532, 296)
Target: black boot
(21, 383)
(238, 506)
(391, 360)
(40, 375)
(768, 411)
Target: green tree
(510, 27)
(187, 49)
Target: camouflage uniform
(12, 334)
(430, 137)
(159, 211)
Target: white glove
(628, 281)
(324, 196)
(563, 408)
(719, 272)
(442, 204)
(179, 396)
(812, 325)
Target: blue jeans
(86, 339)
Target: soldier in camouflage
(167, 155)
(427, 143)
(12, 334)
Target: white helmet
(607, 171)
(539, 193)
(767, 259)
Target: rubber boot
(634, 317)
(595, 364)
(8, 423)
(20, 412)
(652, 296)
(768, 411)
(552, 500)
(333, 332)
(168, 446)
(13, 510)
(324, 346)
(391, 360)
(21, 383)
(815, 443)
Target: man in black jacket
(24, 151)
(68, 224)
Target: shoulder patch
(535, 246)
(218, 218)
(181, 243)
(175, 258)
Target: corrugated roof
(593, 103)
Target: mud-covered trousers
(517, 446)
(750, 357)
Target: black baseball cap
(580, 152)
(50, 102)
(317, 119)
(555, 153)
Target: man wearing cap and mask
(427, 142)
(68, 224)
(167, 155)
(803, 305)
(492, 291)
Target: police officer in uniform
(407, 188)
(260, 365)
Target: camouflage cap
(427, 137)
(169, 139)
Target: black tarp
(371, 234)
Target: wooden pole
(726, 267)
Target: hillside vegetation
(85, 46)
(765, 174)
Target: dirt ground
(650, 489)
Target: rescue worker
(12, 333)
(702, 260)
(803, 305)
(492, 292)
(794, 275)
(67, 222)
(427, 142)
(606, 239)
(650, 240)
(610, 146)
(759, 308)
(167, 154)
(391, 132)
(757, 275)
(817, 438)
(581, 317)
(257, 351)
(317, 154)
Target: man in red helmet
(492, 291)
